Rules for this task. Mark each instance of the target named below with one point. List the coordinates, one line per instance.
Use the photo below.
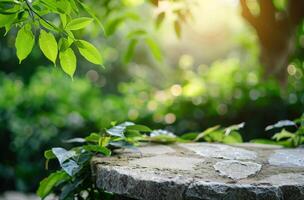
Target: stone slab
(221, 151)
(187, 174)
(156, 149)
(167, 162)
(287, 158)
(235, 169)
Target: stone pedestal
(203, 171)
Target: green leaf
(65, 159)
(163, 139)
(178, 29)
(62, 154)
(68, 61)
(154, 49)
(160, 18)
(47, 184)
(48, 45)
(119, 129)
(7, 19)
(79, 23)
(283, 135)
(89, 52)
(92, 14)
(64, 44)
(93, 137)
(131, 134)
(130, 51)
(48, 154)
(235, 127)
(206, 132)
(189, 136)
(25, 41)
(154, 2)
(232, 138)
(138, 127)
(99, 149)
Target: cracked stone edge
(119, 181)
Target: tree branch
(247, 14)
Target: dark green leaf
(99, 149)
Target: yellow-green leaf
(89, 52)
(25, 41)
(47, 184)
(79, 23)
(48, 45)
(7, 19)
(68, 61)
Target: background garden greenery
(176, 87)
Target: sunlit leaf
(25, 41)
(235, 127)
(48, 45)
(130, 50)
(177, 28)
(68, 61)
(206, 132)
(89, 52)
(160, 18)
(232, 138)
(283, 135)
(7, 19)
(93, 137)
(154, 48)
(79, 23)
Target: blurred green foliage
(40, 107)
(41, 114)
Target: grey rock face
(203, 172)
(287, 158)
(236, 169)
(156, 150)
(167, 162)
(221, 151)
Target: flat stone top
(203, 171)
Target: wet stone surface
(203, 171)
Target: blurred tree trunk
(276, 31)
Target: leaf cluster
(54, 23)
(285, 137)
(228, 135)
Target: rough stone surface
(14, 195)
(156, 150)
(288, 158)
(191, 172)
(235, 169)
(221, 151)
(167, 162)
